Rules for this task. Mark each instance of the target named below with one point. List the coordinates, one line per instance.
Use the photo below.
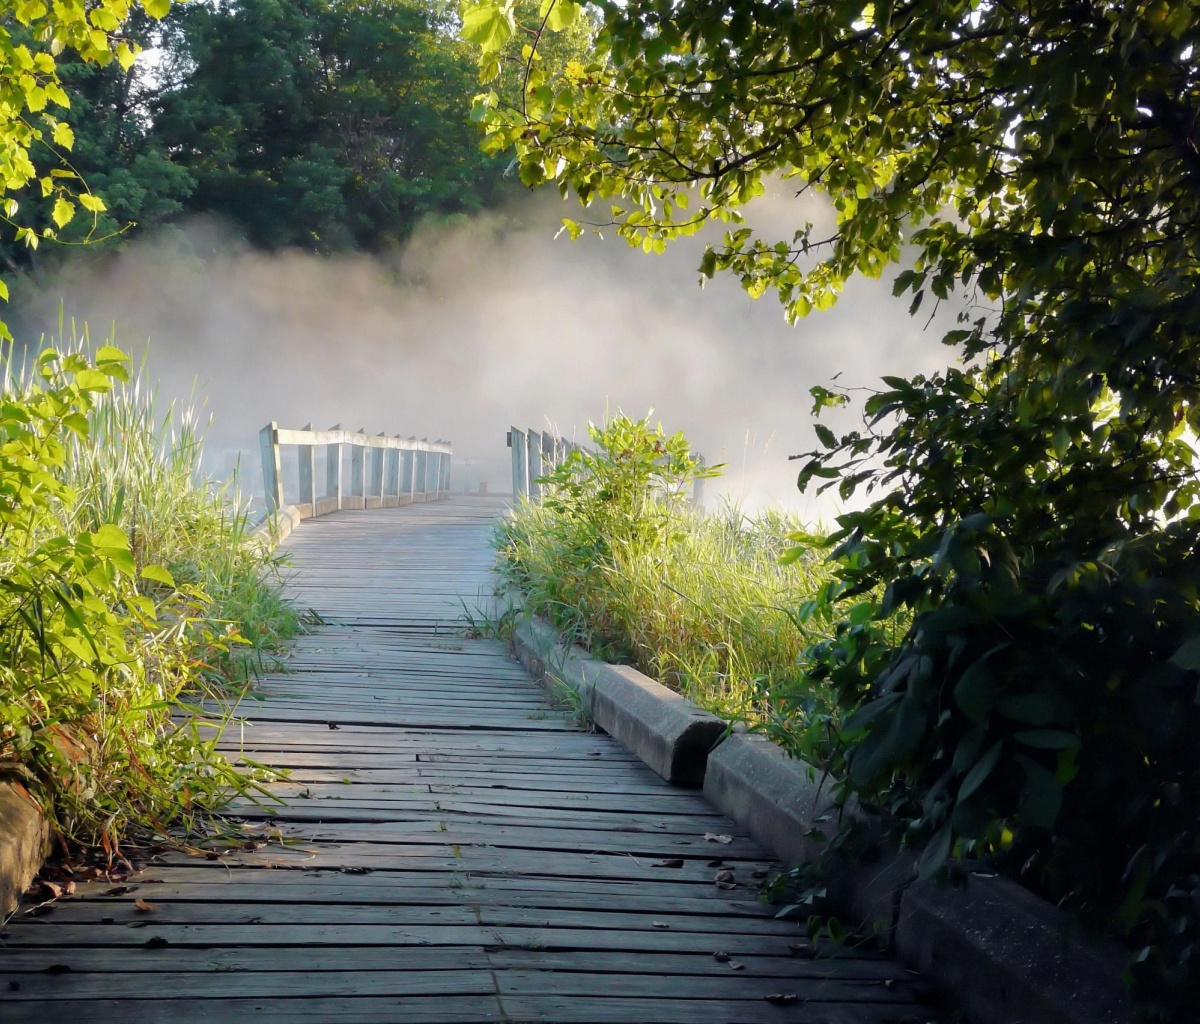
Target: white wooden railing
(538, 453)
(384, 471)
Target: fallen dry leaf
(659, 924)
(713, 837)
(721, 958)
(146, 906)
(669, 862)
(736, 965)
(782, 998)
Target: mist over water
(485, 323)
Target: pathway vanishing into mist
(456, 849)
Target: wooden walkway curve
(456, 850)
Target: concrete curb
(24, 843)
(1007, 956)
(668, 732)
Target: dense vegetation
(128, 593)
(616, 556)
(1033, 509)
(328, 125)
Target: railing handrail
(384, 471)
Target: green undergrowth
(617, 558)
(134, 607)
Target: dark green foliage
(329, 125)
(1035, 513)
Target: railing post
(358, 473)
(377, 473)
(333, 470)
(268, 441)
(446, 459)
(392, 483)
(520, 454)
(308, 470)
(411, 465)
(535, 465)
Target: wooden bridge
(448, 847)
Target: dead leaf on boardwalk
(669, 862)
(782, 998)
(659, 924)
(119, 890)
(712, 837)
(156, 942)
(725, 879)
(145, 906)
(721, 958)
(736, 965)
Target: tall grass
(129, 597)
(707, 611)
(617, 559)
(140, 468)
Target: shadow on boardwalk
(456, 850)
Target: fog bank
(484, 323)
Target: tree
(326, 124)
(1035, 511)
(33, 38)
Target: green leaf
(1041, 799)
(92, 380)
(488, 25)
(158, 574)
(1188, 655)
(975, 691)
(936, 852)
(980, 771)
(110, 536)
(562, 14)
(1048, 739)
(63, 211)
(157, 9)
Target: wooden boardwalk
(455, 850)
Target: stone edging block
(24, 842)
(668, 732)
(1008, 956)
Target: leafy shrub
(1041, 709)
(99, 647)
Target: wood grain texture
(445, 846)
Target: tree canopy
(1031, 513)
(330, 125)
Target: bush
(101, 649)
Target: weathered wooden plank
(456, 850)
